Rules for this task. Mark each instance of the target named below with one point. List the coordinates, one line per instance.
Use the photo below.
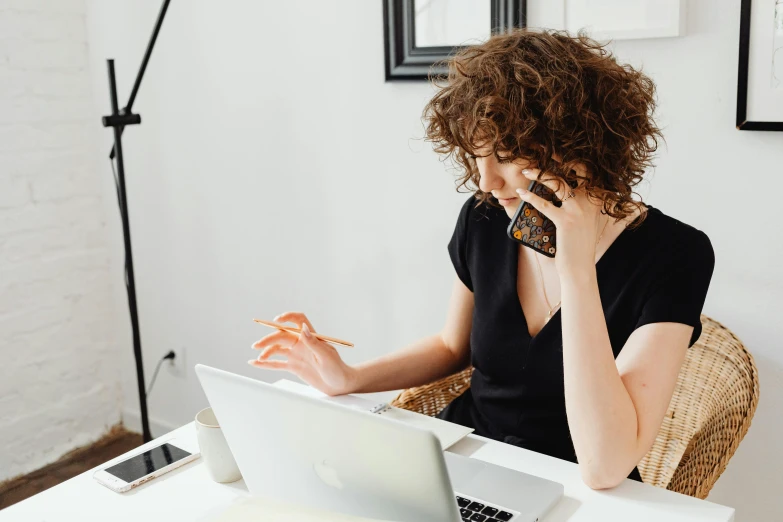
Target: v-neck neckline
(556, 315)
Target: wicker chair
(713, 403)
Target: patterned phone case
(532, 228)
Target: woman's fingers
(539, 203)
(275, 349)
(279, 337)
(320, 348)
(556, 185)
(297, 318)
(270, 365)
(289, 344)
(316, 362)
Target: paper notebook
(447, 432)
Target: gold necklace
(543, 286)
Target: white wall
(59, 382)
(275, 170)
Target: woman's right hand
(312, 360)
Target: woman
(574, 356)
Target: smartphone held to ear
(532, 228)
(140, 468)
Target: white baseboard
(132, 421)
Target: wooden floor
(115, 443)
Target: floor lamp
(118, 120)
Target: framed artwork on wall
(420, 34)
(614, 19)
(760, 76)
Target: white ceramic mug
(214, 448)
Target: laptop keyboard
(478, 512)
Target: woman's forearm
(422, 362)
(601, 416)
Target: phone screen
(148, 462)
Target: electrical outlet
(178, 366)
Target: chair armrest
(431, 398)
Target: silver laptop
(321, 455)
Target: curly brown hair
(534, 93)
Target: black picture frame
(742, 122)
(405, 61)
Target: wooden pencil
(295, 329)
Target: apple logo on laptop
(327, 474)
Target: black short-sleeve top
(656, 272)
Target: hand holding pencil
(293, 329)
(304, 353)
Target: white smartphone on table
(144, 466)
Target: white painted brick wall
(59, 376)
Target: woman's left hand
(578, 221)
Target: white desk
(188, 494)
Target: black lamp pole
(118, 120)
